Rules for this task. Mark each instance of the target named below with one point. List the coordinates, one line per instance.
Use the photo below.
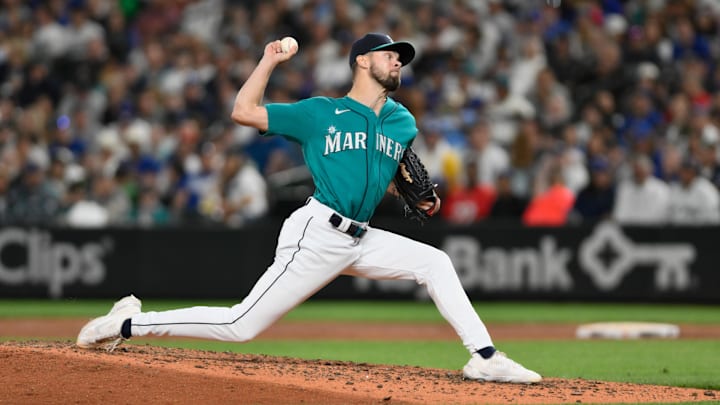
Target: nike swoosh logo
(338, 112)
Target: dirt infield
(57, 372)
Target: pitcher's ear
(362, 61)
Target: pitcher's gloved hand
(413, 184)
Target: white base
(627, 330)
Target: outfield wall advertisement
(604, 262)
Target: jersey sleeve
(291, 120)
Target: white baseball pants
(309, 255)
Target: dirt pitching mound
(58, 372)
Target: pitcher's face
(385, 69)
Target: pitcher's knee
(241, 334)
(440, 263)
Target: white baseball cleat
(104, 332)
(129, 301)
(498, 368)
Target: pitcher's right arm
(248, 109)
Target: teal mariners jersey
(351, 152)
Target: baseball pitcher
(355, 147)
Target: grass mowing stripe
(690, 364)
(509, 312)
(399, 311)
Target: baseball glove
(413, 185)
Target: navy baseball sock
(125, 329)
(486, 352)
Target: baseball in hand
(287, 43)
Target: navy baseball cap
(381, 42)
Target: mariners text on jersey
(339, 141)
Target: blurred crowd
(117, 112)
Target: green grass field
(688, 363)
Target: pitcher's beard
(389, 83)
